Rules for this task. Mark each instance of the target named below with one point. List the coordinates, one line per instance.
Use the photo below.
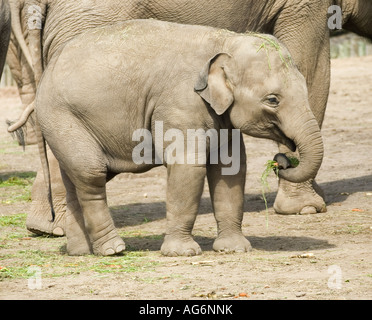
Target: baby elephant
(132, 96)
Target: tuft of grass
(53, 264)
(272, 166)
(16, 220)
(20, 252)
(270, 43)
(16, 188)
(294, 161)
(20, 179)
(129, 262)
(350, 229)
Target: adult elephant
(301, 24)
(5, 30)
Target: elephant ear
(213, 84)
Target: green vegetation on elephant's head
(270, 43)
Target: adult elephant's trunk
(306, 135)
(4, 32)
(15, 9)
(36, 16)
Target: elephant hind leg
(84, 167)
(90, 217)
(78, 242)
(98, 222)
(89, 226)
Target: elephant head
(258, 87)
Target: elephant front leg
(184, 189)
(227, 194)
(299, 198)
(306, 197)
(310, 52)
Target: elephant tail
(45, 165)
(16, 128)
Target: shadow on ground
(18, 174)
(281, 243)
(339, 190)
(139, 213)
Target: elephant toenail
(172, 254)
(109, 252)
(58, 232)
(190, 253)
(308, 210)
(120, 248)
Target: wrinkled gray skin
(301, 25)
(5, 29)
(188, 77)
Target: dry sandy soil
(323, 256)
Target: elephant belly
(119, 147)
(117, 166)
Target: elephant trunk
(4, 32)
(15, 8)
(306, 135)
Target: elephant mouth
(283, 139)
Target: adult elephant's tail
(45, 165)
(17, 129)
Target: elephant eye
(272, 101)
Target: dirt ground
(322, 256)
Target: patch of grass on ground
(21, 252)
(16, 220)
(129, 262)
(351, 229)
(55, 264)
(16, 188)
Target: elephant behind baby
(5, 29)
(301, 25)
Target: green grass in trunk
(272, 166)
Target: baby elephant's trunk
(305, 133)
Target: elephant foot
(174, 246)
(299, 198)
(109, 245)
(78, 247)
(39, 219)
(232, 243)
